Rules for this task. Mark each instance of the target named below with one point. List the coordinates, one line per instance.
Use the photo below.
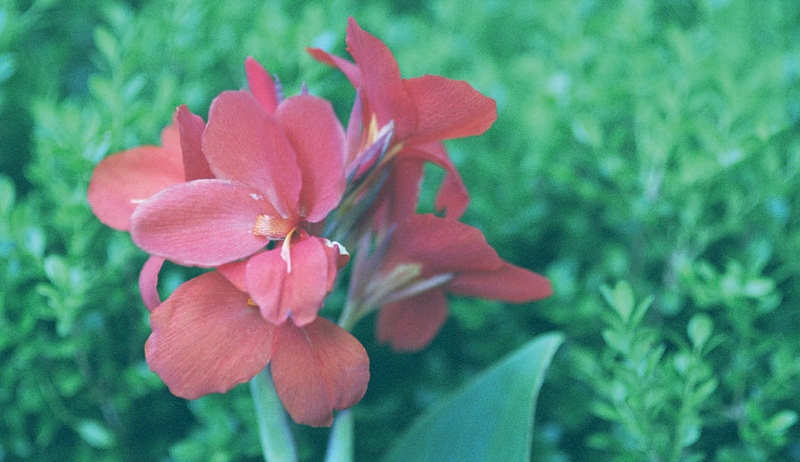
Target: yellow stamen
(273, 227)
(372, 131)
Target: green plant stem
(273, 427)
(340, 443)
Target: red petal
(442, 245)
(385, 93)
(200, 223)
(337, 257)
(123, 180)
(244, 143)
(318, 140)
(402, 188)
(509, 283)
(191, 128)
(349, 69)
(452, 196)
(448, 109)
(235, 273)
(148, 282)
(261, 84)
(318, 368)
(306, 285)
(411, 324)
(206, 338)
(298, 293)
(265, 276)
(353, 133)
(170, 136)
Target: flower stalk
(277, 443)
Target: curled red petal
(207, 338)
(318, 141)
(317, 369)
(353, 133)
(121, 181)
(191, 127)
(448, 108)
(348, 68)
(200, 223)
(508, 283)
(337, 257)
(148, 282)
(452, 196)
(243, 142)
(382, 84)
(442, 246)
(261, 84)
(411, 324)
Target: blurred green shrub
(654, 142)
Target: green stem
(340, 443)
(273, 427)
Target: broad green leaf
(490, 418)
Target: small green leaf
(7, 66)
(490, 418)
(95, 434)
(699, 330)
(56, 270)
(6, 195)
(621, 299)
(781, 421)
(605, 411)
(758, 287)
(616, 342)
(106, 43)
(690, 435)
(705, 390)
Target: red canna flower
(423, 110)
(275, 177)
(425, 258)
(208, 337)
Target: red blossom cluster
(268, 194)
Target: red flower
(428, 256)
(424, 110)
(275, 177)
(208, 337)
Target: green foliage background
(651, 142)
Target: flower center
(273, 227)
